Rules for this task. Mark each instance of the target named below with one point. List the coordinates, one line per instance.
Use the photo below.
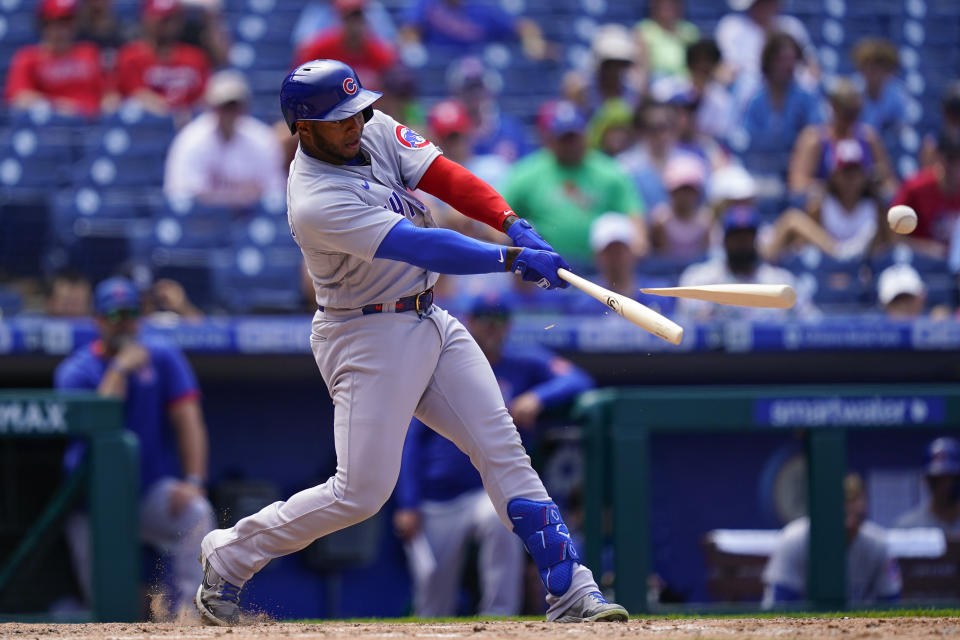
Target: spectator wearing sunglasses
(162, 407)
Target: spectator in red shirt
(158, 70)
(58, 71)
(351, 42)
(934, 193)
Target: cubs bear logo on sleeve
(409, 138)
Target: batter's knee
(365, 499)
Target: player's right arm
(325, 219)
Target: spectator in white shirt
(741, 37)
(225, 157)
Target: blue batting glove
(541, 267)
(523, 235)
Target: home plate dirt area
(662, 629)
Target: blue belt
(419, 303)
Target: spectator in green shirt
(664, 38)
(563, 187)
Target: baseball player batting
(385, 351)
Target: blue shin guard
(547, 539)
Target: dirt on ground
(702, 629)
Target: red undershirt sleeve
(465, 192)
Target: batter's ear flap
(367, 114)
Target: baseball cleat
(593, 607)
(217, 600)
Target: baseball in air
(902, 218)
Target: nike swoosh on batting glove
(541, 267)
(523, 235)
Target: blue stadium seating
(260, 279)
(127, 142)
(840, 285)
(24, 222)
(262, 231)
(130, 114)
(100, 170)
(31, 172)
(17, 28)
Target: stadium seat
(260, 279)
(31, 172)
(39, 142)
(190, 232)
(840, 285)
(101, 171)
(262, 231)
(70, 205)
(24, 221)
(132, 114)
(128, 142)
(17, 28)
(43, 116)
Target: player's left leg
(464, 404)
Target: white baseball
(902, 219)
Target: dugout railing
(618, 424)
(110, 473)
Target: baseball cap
(449, 116)
(227, 86)
(57, 9)
(115, 294)
(847, 153)
(684, 170)
(740, 217)
(612, 227)
(613, 42)
(896, 280)
(490, 304)
(943, 457)
(732, 182)
(160, 8)
(566, 118)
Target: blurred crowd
(666, 155)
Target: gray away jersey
(339, 214)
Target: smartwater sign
(31, 417)
(863, 411)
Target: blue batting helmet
(943, 457)
(324, 90)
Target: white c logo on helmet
(349, 86)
